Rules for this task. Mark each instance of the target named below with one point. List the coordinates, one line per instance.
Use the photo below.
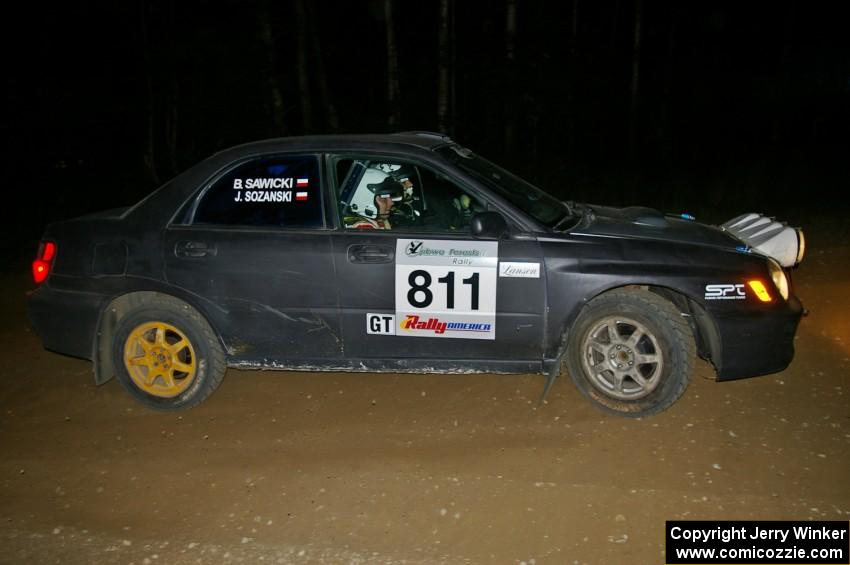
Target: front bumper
(754, 344)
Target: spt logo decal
(725, 292)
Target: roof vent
(433, 134)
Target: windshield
(543, 207)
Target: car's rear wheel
(166, 354)
(630, 352)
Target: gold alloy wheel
(160, 359)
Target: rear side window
(281, 191)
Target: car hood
(648, 223)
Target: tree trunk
(510, 30)
(452, 70)
(634, 89)
(149, 156)
(303, 77)
(171, 126)
(267, 39)
(615, 27)
(572, 84)
(443, 85)
(331, 116)
(667, 133)
(510, 87)
(783, 86)
(173, 103)
(394, 116)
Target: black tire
(624, 378)
(188, 342)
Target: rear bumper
(754, 345)
(66, 321)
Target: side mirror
(488, 225)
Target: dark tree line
(290, 36)
(710, 107)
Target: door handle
(370, 254)
(193, 249)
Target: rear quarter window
(282, 191)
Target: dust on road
(370, 468)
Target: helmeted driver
(387, 193)
(403, 174)
(394, 198)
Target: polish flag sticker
(302, 183)
(300, 196)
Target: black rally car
(407, 253)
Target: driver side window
(388, 194)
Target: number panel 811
(453, 290)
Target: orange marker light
(760, 290)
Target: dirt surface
(368, 468)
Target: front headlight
(780, 280)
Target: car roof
(419, 139)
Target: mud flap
(551, 377)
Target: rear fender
(104, 368)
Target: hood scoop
(648, 223)
(644, 216)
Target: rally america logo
(413, 322)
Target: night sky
(739, 106)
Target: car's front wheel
(166, 354)
(630, 352)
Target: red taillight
(49, 251)
(40, 270)
(44, 260)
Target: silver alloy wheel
(622, 358)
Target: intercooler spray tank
(777, 240)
